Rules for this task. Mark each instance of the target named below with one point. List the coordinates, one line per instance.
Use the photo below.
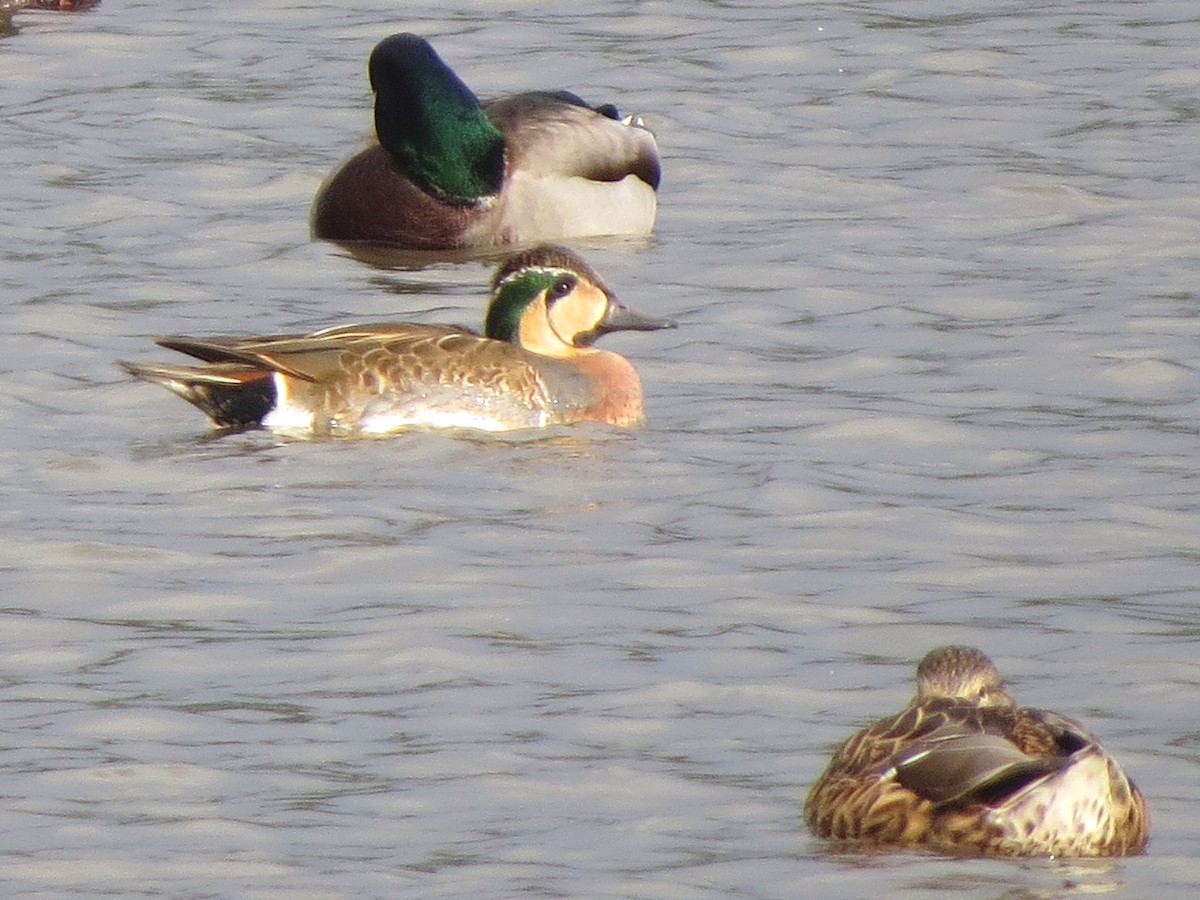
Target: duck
(963, 770)
(534, 366)
(451, 173)
(8, 7)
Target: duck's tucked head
(549, 301)
(962, 673)
(431, 123)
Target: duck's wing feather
(942, 752)
(321, 354)
(984, 755)
(959, 767)
(552, 134)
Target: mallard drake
(963, 769)
(534, 366)
(451, 173)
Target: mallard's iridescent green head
(548, 300)
(431, 123)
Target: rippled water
(935, 381)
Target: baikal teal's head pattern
(512, 297)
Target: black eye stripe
(561, 287)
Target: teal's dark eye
(561, 288)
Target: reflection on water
(933, 383)
(383, 257)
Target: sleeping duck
(449, 172)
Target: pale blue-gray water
(935, 381)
